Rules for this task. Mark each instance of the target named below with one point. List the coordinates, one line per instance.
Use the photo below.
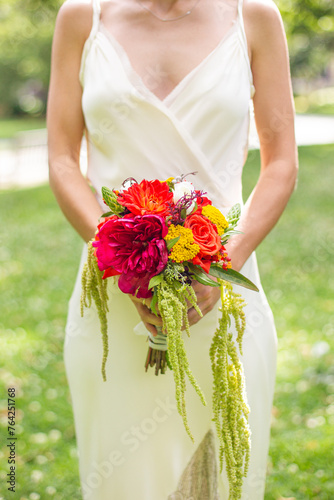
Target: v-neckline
(136, 80)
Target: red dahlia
(147, 197)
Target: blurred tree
(26, 28)
(309, 26)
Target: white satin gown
(131, 440)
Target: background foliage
(309, 26)
(296, 272)
(26, 28)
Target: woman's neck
(168, 8)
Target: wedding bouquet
(157, 237)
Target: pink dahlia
(134, 248)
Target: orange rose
(206, 236)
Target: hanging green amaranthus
(95, 288)
(230, 409)
(172, 298)
(173, 294)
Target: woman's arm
(65, 120)
(66, 127)
(274, 116)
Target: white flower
(181, 189)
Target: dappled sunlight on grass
(39, 258)
(37, 273)
(297, 268)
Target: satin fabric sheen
(131, 440)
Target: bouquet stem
(156, 354)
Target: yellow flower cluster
(215, 216)
(186, 248)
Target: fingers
(196, 285)
(193, 316)
(206, 299)
(150, 320)
(206, 302)
(151, 328)
(147, 316)
(203, 292)
(145, 302)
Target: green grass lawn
(38, 262)
(10, 126)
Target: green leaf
(233, 216)
(171, 243)
(226, 236)
(109, 196)
(168, 361)
(153, 304)
(107, 214)
(201, 276)
(170, 185)
(232, 276)
(155, 281)
(110, 199)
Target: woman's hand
(207, 297)
(150, 320)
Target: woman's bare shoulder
(75, 19)
(263, 22)
(261, 10)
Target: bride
(162, 88)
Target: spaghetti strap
(96, 9)
(96, 17)
(245, 44)
(96, 5)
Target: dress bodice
(143, 451)
(202, 125)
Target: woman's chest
(163, 54)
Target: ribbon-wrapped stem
(156, 354)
